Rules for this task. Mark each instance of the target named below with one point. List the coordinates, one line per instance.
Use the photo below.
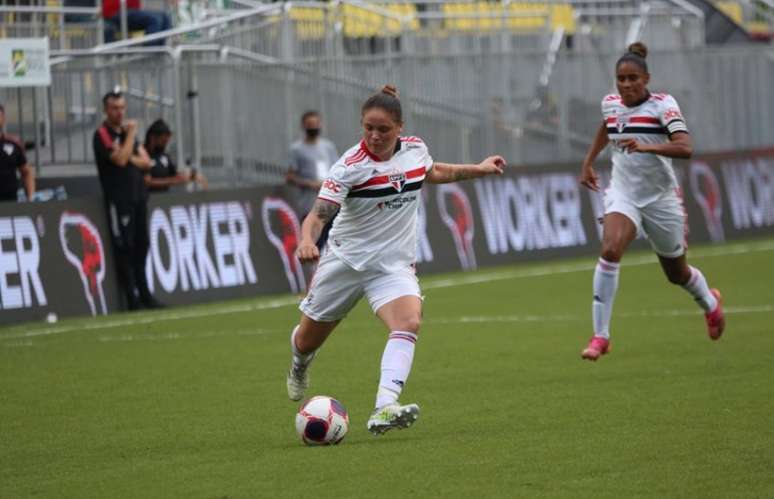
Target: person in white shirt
(375, 189)
(646, 130)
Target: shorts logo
(398, 180)
(331, 186)
(82, 246)
(284, 232)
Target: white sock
(299, 359)
(698, 288)
(396, 365)
(605, 286)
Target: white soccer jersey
(642, 177)
(376, 228)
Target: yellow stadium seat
(732, 10)
(309, 22)
(563, 16)
(528, 22)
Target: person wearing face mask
(310, 159)
(646, 131)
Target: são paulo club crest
(284, 232)
(398, 180)
(82, 246)
(621, 121)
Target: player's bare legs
(692, 280)
(306, 338)
(402, 317)
(619, 231)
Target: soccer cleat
(716, 321)
(597, 347)
(298, 381)
(392, 416)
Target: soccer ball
(322, 420)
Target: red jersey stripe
(637, 119)
(385, 179)
(355, 158)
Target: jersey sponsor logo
(164, 161)
(82, 247)
(331, 186)
(396, 203)
(284, 232)
(8, 148)
(180, 257)
(457, 215)
(20, 283)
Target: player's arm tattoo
(443, 173)
(325, 210)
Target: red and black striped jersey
(376, 227)
(643, 177)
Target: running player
(375, 189)
(647, 130)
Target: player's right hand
(589, 178)
(307, 252)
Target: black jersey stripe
(387, 191)
(637, 129)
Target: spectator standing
(164, 173)
(310, 159)
(122, 163)
(13, 159)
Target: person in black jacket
(122, 162)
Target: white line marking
(477, 277)
(125, 338)
(190, 314)
(755, 309)
(547, 270)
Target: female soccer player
(647, 130)
(375, 188)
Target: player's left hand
(631, 145)
(492, 165)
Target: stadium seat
(732, 10)
(309, 22)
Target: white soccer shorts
(663, 221)
(336, 288)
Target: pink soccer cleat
(716, 321)
(597, 347)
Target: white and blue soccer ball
(322, 420)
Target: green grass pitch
(191, 403)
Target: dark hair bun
(638, 48)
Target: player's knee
(410, 324)
(611, 253)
